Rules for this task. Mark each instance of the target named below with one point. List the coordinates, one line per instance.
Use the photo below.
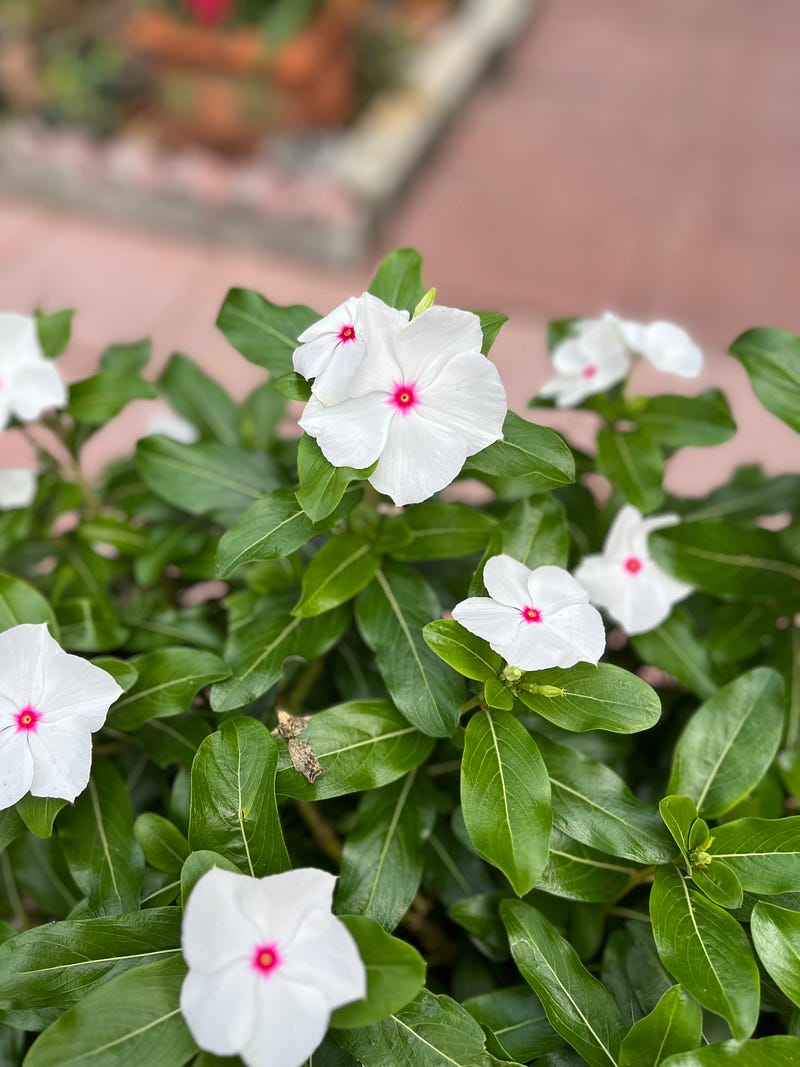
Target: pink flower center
(28, 718)
(589, 371)
(632, 565)
(404, 396)
(266, 959)
(530, 614)
(347, 333)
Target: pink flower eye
(632, 565)
(530, 614)
(404, 396)
(589, 371)
(266, 958)
(347, 333)
(28, 718)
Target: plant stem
(322, 831)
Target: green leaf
(95, 400)
(681, 421)
(162, 843)
(777, 1051)
(516, 1025)
(466, 653)
(293, 387)
(764, 853)
(395, 974)
(20, 602)
(505, 793)
(262, 634)
(430, 1032)
(120, 670)
(233, 808)
(674, 1025)
(342, 568)
(264, 333)
(98, 842)
(126, 358)
(54, 331)
(679, 815)
(632, 971)
(579, 1008)
(530, 453)
(480, 917)
(678, 648)
(390, 617)
(274, 526)
(748, 495)
(38, 813)
(577, 872)
(382, 858)
(398, 280)
(604, 697)
(534, 532)
(719, 883)
(200, 399)
(497, 695)
(205, 479)
(706, 950)
(634, 464)
(361, 745)
(168, 680)
(776, 936)
(441, 531)
(54, 965)
(729, 561)
(730, 742)
(87, 624)
(322, 485)
(11, 827)
(197, 864)
(133, 1019)
(772, 361)
(491, 324)
(593, 805)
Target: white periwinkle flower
(50, 703)
(332, 350)
(534, 619)
(625, 581)
(668, 347)
(17, 488)
(421, 402)
(268, 963)
(29, 383)
(590, 362)
(169, 423)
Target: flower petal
(552, 588)
(381, 325)
(291, 1021)
(350, 434)
(536, 648)
(627, 535)
(62, 758)
(279, 903)
(420, 458)
(580, 627)
(17, 488)
(216, 929)
(19, 342)
(22, 650)
(506, 580)
(33, 388)
(670, 348)
(16, 766)
(74, 688)
(467, 397)
(324, 956)
(221, 1008)
(486, 618)
(332, 384)
(432, 339)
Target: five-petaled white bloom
(332, 350)
(268, 963)
(423, 400)
(29, 383)
(589, 362)
(534, 619)
(50, 702)
(625, 581)
(17, 488)
(668, 347)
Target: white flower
(624, 579)
(17, 488)
(590, 362)
(422, 401)
(29, 383)
(50, 702)
(168, 423)
(534, 619)
(268, 963)
(668, 347)
(332, 350)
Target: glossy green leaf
(54, 331)
(322, 485)
(679, 815)
(578, 1007)
(395, 974)
(480, 916)
(264, 333)
(491, 324)
(706, 950)
(361, 745)
(274, 526)
(442, 531)
(98, 842)
(674, 1025)
(54, 965)
(677, 647)
(681, 421)
(632, 971)
(593, 805)
(515, 1023)
(20, 602)
(764, 853)
(496, 694)
(382, 859)
(776, 936)
(505, 794)
(719, 883)
(772, 361)
(398, 280)
(162, 843)
(233, 808)
(95, 400)
(197, 864)
(339, 571)
(38, 813)
(133, 1019)
(634, 464)
(200, 399)
(776, 1051)
(168, 680)
(391, 615)
(87, 624)
(466, 653)
(536, 455)
(730, 742)
(577, 872)
(604, 697)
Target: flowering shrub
(373, 780)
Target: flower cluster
(415, 398)
(599, 353)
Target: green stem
(21, 916)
